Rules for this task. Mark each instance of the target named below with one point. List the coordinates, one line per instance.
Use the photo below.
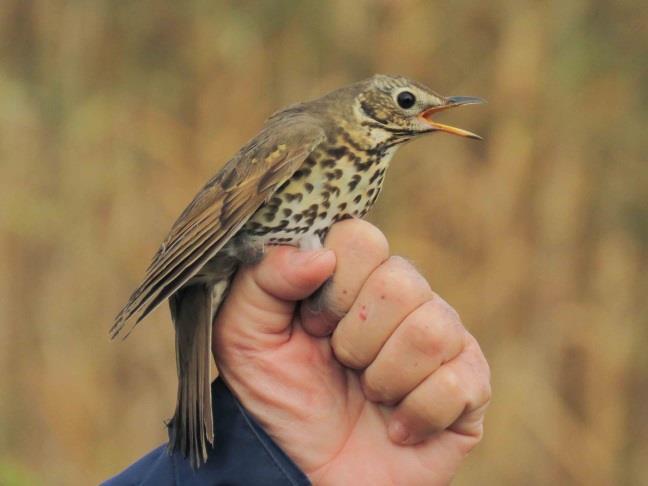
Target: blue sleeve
(243, 454)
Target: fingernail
(397, 432)
(301, 257)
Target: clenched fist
(375, 381)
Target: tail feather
(192, 424)
(192, 309)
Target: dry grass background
(113, 113)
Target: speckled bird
(312, 164)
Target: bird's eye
(405, 99)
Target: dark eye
(405, 99)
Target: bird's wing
(221, 208)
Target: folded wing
(221, 208)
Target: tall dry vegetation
(112, 114)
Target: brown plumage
(311, 165)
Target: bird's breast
(333, 183)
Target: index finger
(359, 249)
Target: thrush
(312, 164)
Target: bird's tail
(192, 425)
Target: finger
(359, 248)
(427, 338)
(392, 292)
(458, 389)
(259, 308)
(471, 421)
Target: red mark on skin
(363, 313)
(382, 297)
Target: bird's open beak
(451, 102)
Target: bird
(312, 164)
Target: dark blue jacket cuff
(243, 454)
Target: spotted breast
(337, 181)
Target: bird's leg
(251, 254)
(245, 249)
(320, 302)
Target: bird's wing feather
(221, 208)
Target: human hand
(396, 395)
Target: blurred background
(113, 114)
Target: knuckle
(486, 380)
(443, 309)
(478, 360)
(451, 383)
(345, 353)
(483, 391)
(479, 390)
(422, 335)
(477, 430)
(479, 433)
(399, 281)
(372, 240)
(362, 235)
(374, 388)
(476, 435)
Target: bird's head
(402, 107)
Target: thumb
(258, 311)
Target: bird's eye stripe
(371, 112)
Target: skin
(395, 395)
